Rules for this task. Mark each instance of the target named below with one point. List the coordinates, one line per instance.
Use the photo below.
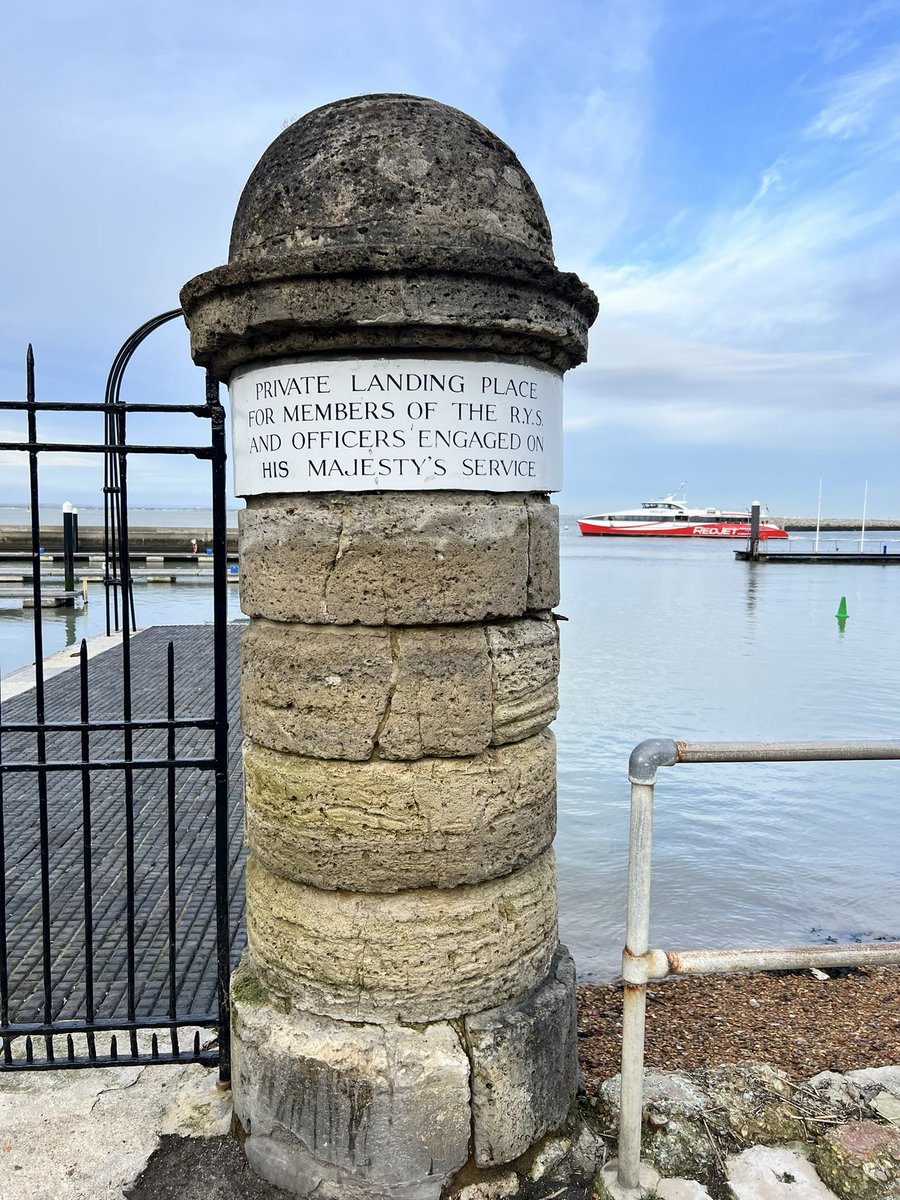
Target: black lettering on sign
(466, 411)
(496, 468)
(275, 470)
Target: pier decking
(195, 973)
(846, 558)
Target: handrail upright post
(634, 975)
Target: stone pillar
(394, 331)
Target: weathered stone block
(442, 700)
(416, 956)
(386, 826)
(343, 692)
(315, 689)
(543, 555)
(524, 1065)
(348, 1111)
(396, 558)
(525, 662)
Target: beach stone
(774, 1173)
(524, 1058)
(343, 692)
(385, 826)
(397, 558)
(324, 1102)
(498, 1188)
(415, 956)
(749, 1101)
(675, 1139)
(861, 1161)
(872, 1080)
(887, 1105)
(681, 1189)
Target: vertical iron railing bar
(4, 962)
(170, 788)
(128, 734)
(106, 539)
(87, 849)
(39, 701)
(220, 698)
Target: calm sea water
(676, 639)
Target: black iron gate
(115, 934)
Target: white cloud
(858, 99)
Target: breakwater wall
(160, 540)
(834, 525)
(141, 539)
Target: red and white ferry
(673, 518)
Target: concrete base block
(343, 692)
(338, 1111)
(524, 1066)
(414, 956)
(388, 826)
(397, 558)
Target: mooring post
(69, 518)
(394, 333)
(754, 529)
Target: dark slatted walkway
(195, 968)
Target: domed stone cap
(392, 170)
(388, 224)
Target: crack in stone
(527, 557)
(332, 566)
(495, 681)
(394, 639)
(121, 1087)
(459, 1028)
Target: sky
(725, 176)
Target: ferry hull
(710, 531)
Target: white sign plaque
(411, 424)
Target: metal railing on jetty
(882, 551)
(871, 550)
(640, 964)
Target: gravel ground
(788, 1019)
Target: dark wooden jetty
(844, 557)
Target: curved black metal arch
(114, 579)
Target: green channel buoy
(841, 613)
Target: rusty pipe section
(657, 964)
(650, 755)
(712, 752)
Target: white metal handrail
(640, 964)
